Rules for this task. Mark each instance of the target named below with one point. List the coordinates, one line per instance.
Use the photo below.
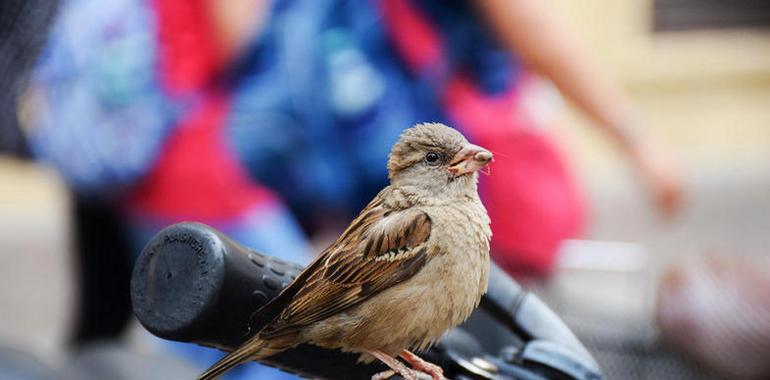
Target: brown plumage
(413, 264)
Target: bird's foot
(384, 375)
(435, 372)
(396, 367)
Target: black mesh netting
(24, 25)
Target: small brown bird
(413, 264)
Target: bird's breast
(416, 312)
(456, 277)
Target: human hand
(660, 173)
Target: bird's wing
(379, 249)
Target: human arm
(544, 44)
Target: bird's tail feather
(251, 350)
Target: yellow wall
(705, 93)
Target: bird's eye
(432, 158)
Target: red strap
(197, 177)
(187, 48)
(415, 39)
(421, 46)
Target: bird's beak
(469, 159)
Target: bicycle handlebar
(193, 284)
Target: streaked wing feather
(364, 261)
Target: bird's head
(436, 159)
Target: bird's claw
(384, 375)
(407, 374)
(435, 372)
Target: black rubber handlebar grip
(193, 284)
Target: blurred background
(681, 293)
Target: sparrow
(413, 264)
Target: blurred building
(698, 70)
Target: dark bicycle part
(193, 284)
(549, 342)
(102, 257)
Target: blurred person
(128, 110)
(259, 117)
(103, 309)
(351, 76)
(23, 26)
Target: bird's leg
(395, 366)
(435, 372)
